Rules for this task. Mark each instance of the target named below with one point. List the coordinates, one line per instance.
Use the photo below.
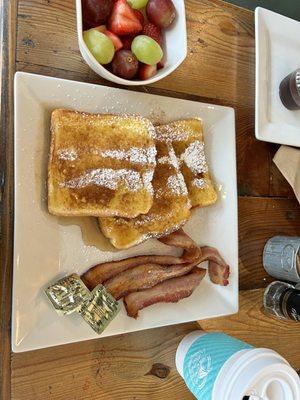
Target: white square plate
(45, 250)
(277, 40)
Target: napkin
(287, 160)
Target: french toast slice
(187, 140)
(100, 164)
(170, 209)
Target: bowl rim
(109, 75)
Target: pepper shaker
(282, 300)
(289, 90)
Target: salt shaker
(281, 258)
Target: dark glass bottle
(282, 300)
(289, 90)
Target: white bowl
(175, 48)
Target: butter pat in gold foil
(68, 294)
(100, 310)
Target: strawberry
(162, 62)
(153, 31)
(123, 20)
(115, 39)
(127, 40)
(139, 16)
(147, 71)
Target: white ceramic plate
(277, 54)
(44, 250)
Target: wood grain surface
(219, 69)
(254, 327)
(136, 366)
(141, 365)
(7, 62)
(260, 219)
(220, 47)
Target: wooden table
(39, 36)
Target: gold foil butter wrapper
(100, 310)
(68, 294)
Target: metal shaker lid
(280, 257)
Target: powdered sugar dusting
(159, 193)
(67, 154)
(108, 178)
(111, 119)
(177, 185)
(135, 155)
(157, 235)
(175, 182)
(170, 159)
(164, 160)
(199, 183)
(144, 220)
(170, 133)
(194, 157)
(174, 159)
(152, 131)
(147, 181)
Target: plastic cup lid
(266, 374)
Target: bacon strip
(144, 277)
(102, 272)
(148, 275)
(218, 269)
(182, 240)
(170, 291)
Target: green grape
(137, 4)
(100, 45)
(146, 50)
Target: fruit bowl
(175, 48)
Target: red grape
(125, 64)
(162, 62)
(127, 40)
(95, 12)
(161, 12)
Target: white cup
(216, 366)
